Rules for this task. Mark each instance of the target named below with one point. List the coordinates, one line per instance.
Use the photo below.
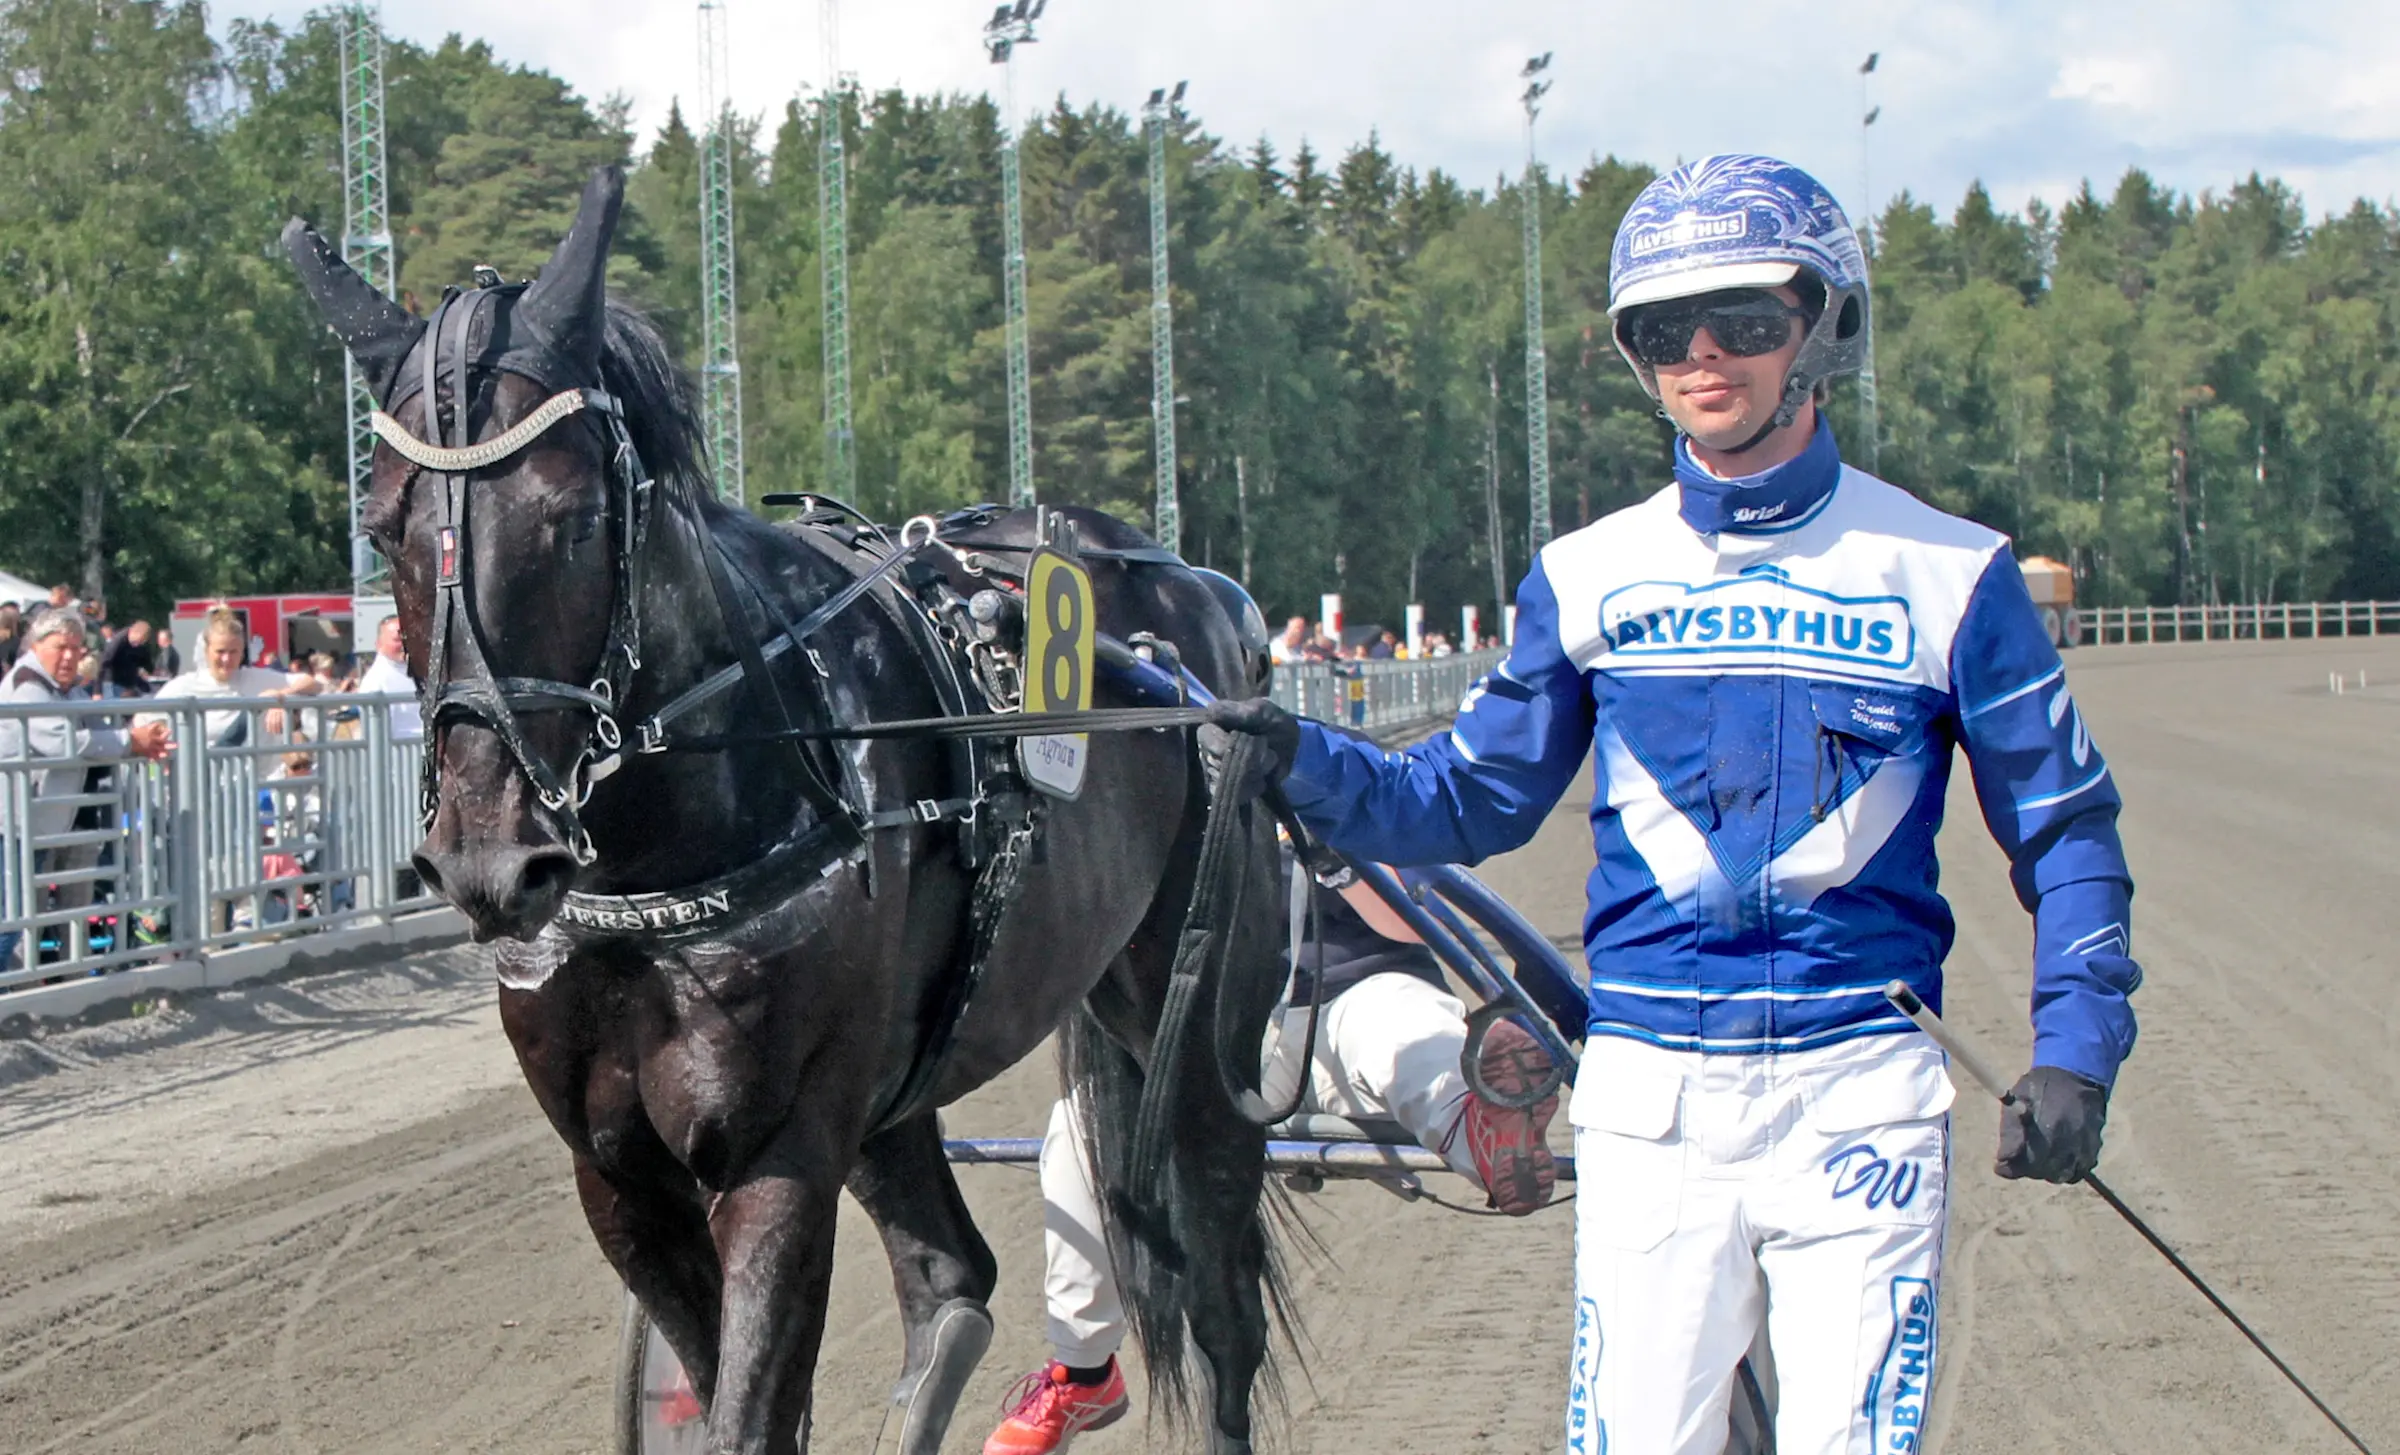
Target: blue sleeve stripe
(1714, 997)
(2028, 805)
(2006, 698)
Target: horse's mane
(662, 408)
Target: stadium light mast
(1537, 360)
(1866, 208)
(833, 261)
(366, 246)
(720, 361)
(1169, 512)
(1012, 26)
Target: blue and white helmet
(1742, 221)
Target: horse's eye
(585, 525)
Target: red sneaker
(1511, 1148)
(1047, 1410)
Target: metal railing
(267, 819)
(273, 821)
(1385, 694)
(2271, 621)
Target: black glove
(1278, 737)
(2050, 1128)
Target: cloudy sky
(2029, 95)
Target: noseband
(477, 691)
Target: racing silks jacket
(1771, 674)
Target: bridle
(478, 692)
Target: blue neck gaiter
(1771, 501)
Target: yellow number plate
(1059, 630)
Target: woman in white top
(220, 673)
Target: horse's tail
(1162, 1226)
(1106, 1085)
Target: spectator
(12, 633)
(1385, 647)
(126, 666)
(221, 674)
(166, 663)
(1292, 646)
(54, 650)
(62, 596)
(389, 673)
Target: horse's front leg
(942, 1271)
(774, 1235)
(658, 1241)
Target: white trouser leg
(1388, 1048)
(1079, 1287)
(1806, 1188)
(1667, 1297)
(1852, 1254)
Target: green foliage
(2186, 398)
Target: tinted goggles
(1745, 322)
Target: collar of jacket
(1767, 503)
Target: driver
(1388, 1044)
(1771, 661)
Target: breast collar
(1782, 498)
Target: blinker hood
(548, 331)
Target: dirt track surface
(324, 1216)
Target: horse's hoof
(961, 1331)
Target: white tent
(17, 588)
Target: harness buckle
(817, 662)
(925, 810)
(649, 736)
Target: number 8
(1061, 665)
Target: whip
(1906, 1001)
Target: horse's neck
(669, 819)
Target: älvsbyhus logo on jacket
(1757, 618)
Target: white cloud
(2029, 95)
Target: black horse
(732, 974)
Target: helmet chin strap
(1787, 410)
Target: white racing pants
(1387, 1048)
(1805, 1189)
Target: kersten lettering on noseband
(741, 966)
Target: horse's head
(512, 506)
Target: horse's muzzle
(508, 890)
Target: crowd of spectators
(1306, 641)
(65, 650)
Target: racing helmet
(1739, 220)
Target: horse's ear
(564, 305)
(378, 332)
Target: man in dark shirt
(125, 668)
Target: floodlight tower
(833, 261)
(1155, 116)
(1866, 211)
(366, 246)
(1537, 361)
(1012, 26)
(720, 362)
